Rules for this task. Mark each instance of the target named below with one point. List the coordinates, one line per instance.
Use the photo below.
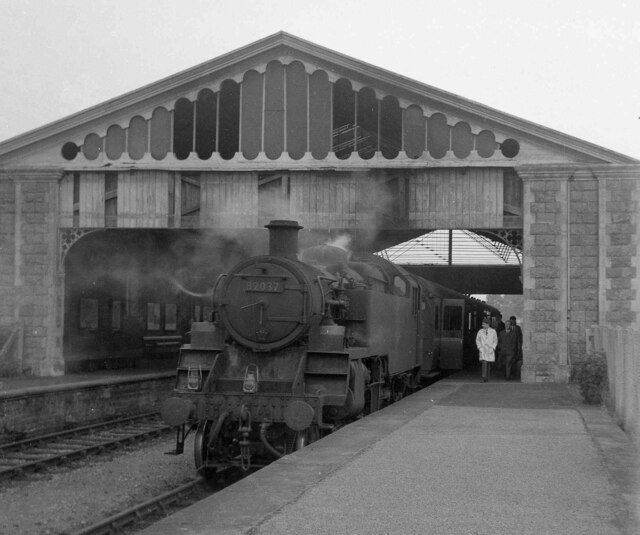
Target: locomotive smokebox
(283, 238)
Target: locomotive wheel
(201, 451)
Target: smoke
(343, 242)
(181, 288)
(164, 261)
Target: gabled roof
(283, 45)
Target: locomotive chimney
(283, 238)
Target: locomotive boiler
(299, 346)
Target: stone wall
(583, 260)
(544, 276)
(53, 409)
(620, 243)
(7, 251)
(32, 260)
(581, 256)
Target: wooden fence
(622, 350)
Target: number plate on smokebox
(264, 285)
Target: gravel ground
(65, 499)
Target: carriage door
(452, 334)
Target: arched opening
(122, 285)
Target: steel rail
(33, 454)
(116, 523)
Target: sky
(569, 65)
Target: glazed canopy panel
(286, 111)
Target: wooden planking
(324, 200)
(143, 199)
(160, 131)
(296, 110)
(414, 131)
(138, 138)
(229, 200)
(437, 198)
(274, 110)
(251, 128)
(91, 202)
(456, 198)
(66, 200)
(320, 113)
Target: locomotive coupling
(176, 411)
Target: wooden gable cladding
(377, 198)
(323, 199)
(82, 200)
(143, 199)
(456, 198)
(229, 200)
(125, 199)
(292, 111)
(429, 198)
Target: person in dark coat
(508, 347)
(518, 329)
(499, 327)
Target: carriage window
(452, 321)
(437, 317)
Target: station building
(116, 221)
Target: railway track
(144, 514)
(35, 454)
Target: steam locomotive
(297, 347)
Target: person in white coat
(487, 341)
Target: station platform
(34, 406)
(17, 386)
(458, 457)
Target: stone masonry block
(585, 185)
(545, 228)
(545, 197)
(621, 295)
(546, 261)
(621, 239)
(620, 317)
(621, 206)
(548, 284)
(546, 217)
(622, 250)
(584, 294)
(625, 273)
(620, 284)
(546, 250)
(552, 185)
(544, 273)
(585, 217)
(584, 261)
(537, 186)
(545, 239)
(621, 261)
(586, 237)
(621, 228)
(617, 185)
(619, 195)
(622, 217)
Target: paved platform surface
(458, 457)
(12, 386)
